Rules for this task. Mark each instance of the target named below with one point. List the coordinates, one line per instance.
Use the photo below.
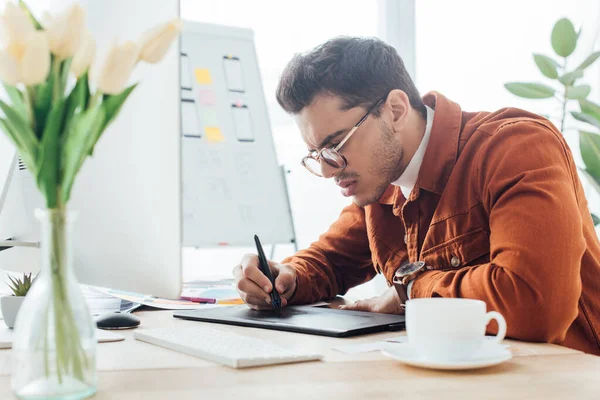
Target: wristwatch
(406, 273)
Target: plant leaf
(112, 105)
(83, 129)
(595, 219)
(49, 153)
(43, 102)
(564, 37)
(24, 7)
(570, 77)
(586, 118)
(590, 108)
(65, 68)
(579, 92)
(25, 138)
(589, 144)
(28, 159)
(589, 60)
(547, 66)
(530, 90)
(77, 100)
(17, 101)
(595, 182)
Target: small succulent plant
(20, 287)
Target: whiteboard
(232, 186)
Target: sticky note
(208, 116)
(213, 134)
(203, 76)
(207, 97)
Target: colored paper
(207, 97)
(214, 134)
(203, 76)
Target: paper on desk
(362, 347)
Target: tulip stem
(95, 99)
(56, 85)
(29, 97)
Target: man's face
(374, 152)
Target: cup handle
(501, 324)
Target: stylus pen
(264, 267)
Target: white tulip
(35, 63)
(66, 31)
(15, 25)
(113, 74)
(84, 56)
(155, 42)
(9, 70)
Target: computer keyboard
(223, 347)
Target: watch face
(409, 268)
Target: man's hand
(255, 288)
(387, 303)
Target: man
(446, 203)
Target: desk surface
(136, 370)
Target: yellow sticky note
(213, 134)
(203, 76)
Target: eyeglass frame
(336, 149)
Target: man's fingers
(251, 271)
(285, 283)
(357, 306)
(250, 288)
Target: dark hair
(360, 71)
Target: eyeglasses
(331, 155)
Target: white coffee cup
(449, 329)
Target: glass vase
(54, 346)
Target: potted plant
(10, 304)
(566, 89)
(58, 109)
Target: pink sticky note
(207, 97)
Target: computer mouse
(117, 321)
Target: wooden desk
(135, 370)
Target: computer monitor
(128, 234)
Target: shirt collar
(441, 152)
(408, 179)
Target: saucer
(490, 354)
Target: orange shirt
(498, 214)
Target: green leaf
(564, 37)
(65, 68)
(586, 118)
(78, 99)
(17, 101)
(112, 104)
(530, 90)
(579, 92)
(43, 102)
(547, 66)
(80, 138)
(589, 144)
(595, 182)
(49, 156)
(570, 77)
(24, 7)
(589, 61)
(590, 108)
(28, 159)
(595, 219)
(27, 142)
